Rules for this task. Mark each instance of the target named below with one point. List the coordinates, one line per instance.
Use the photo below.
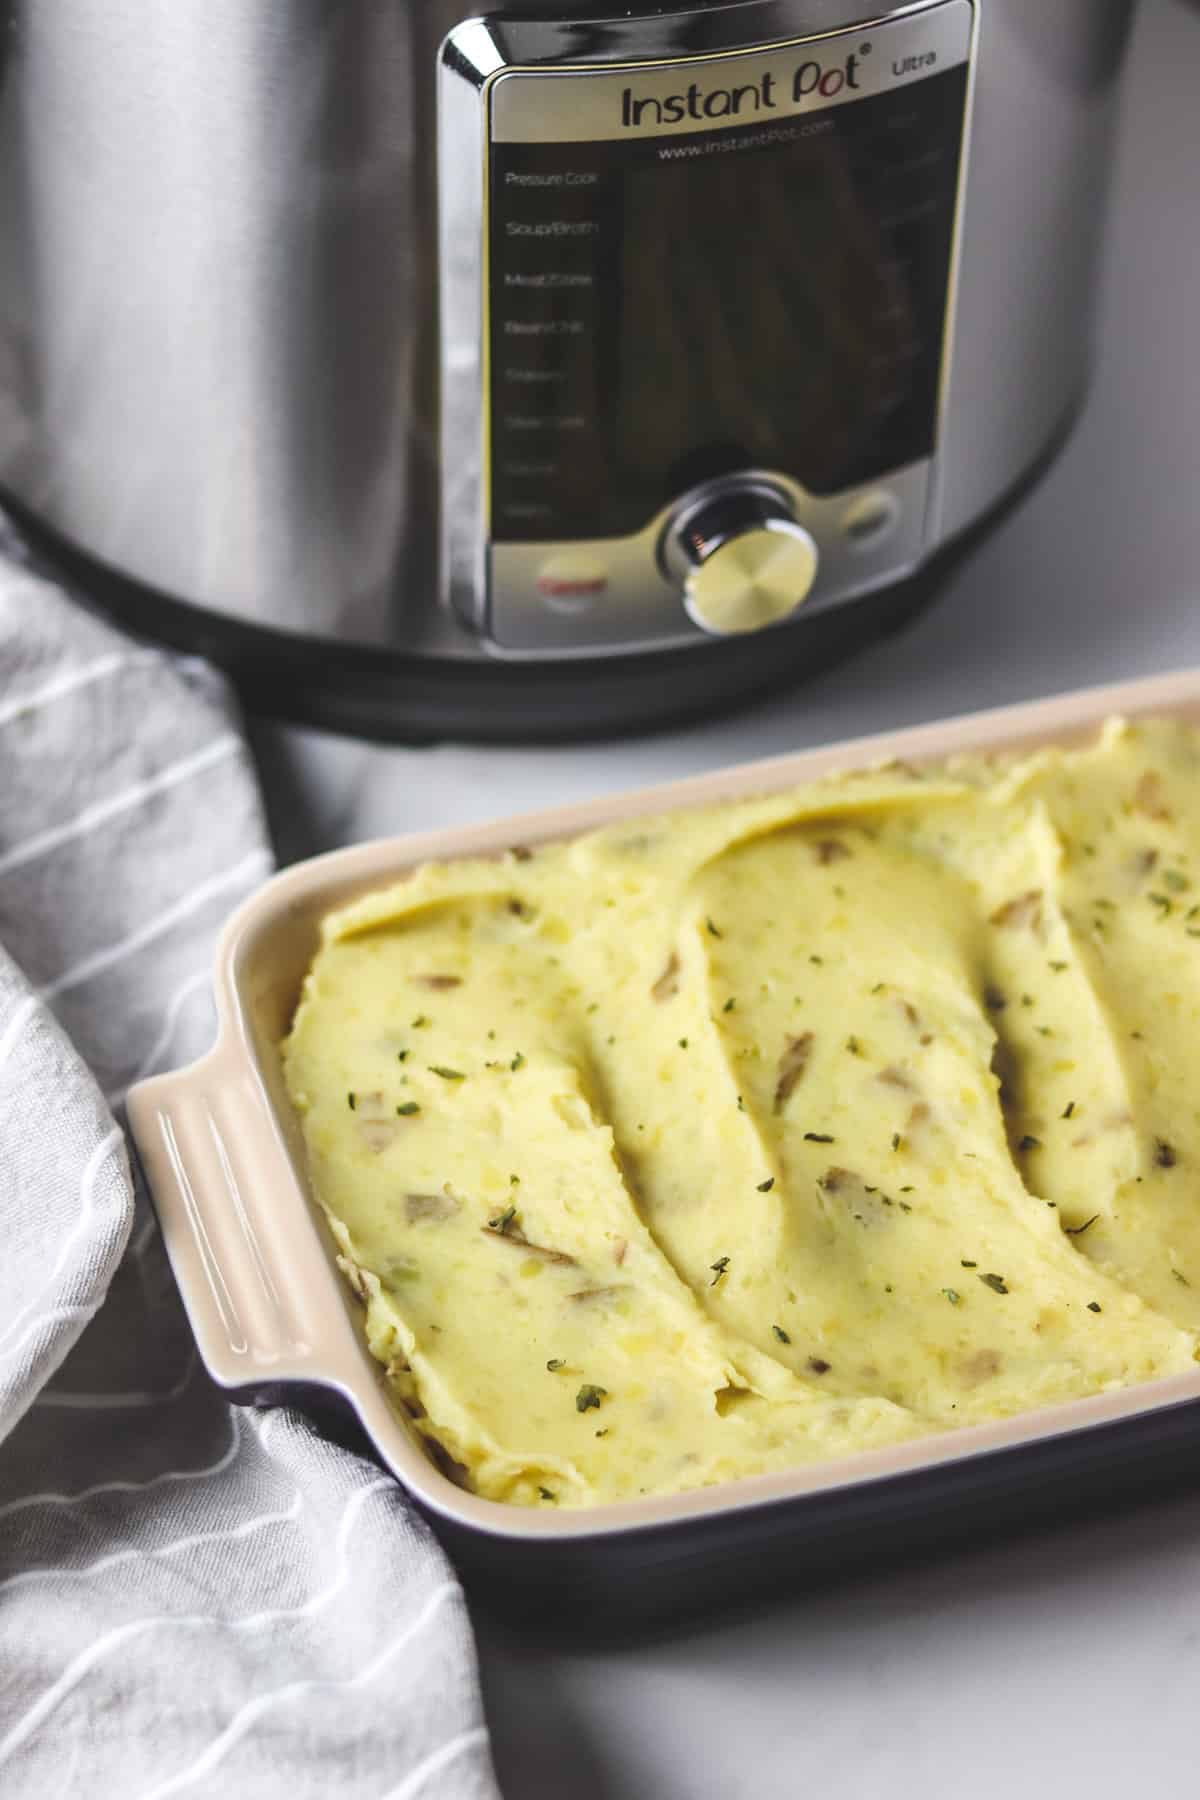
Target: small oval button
(572, 580)
(870, 519)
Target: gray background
(1070, 1660)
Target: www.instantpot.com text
(721, 143)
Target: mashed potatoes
(723, 1142)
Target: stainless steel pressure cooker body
(515, 375)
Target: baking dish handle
(214, 1161)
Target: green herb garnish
(546, 1494)
(518, 1061)
(897, 1140)
(352, 1101)
(407, 1108)
(712, 929)
(781, 1334)
(729, 1004)
(683, 1043)
(445, 1073)
(1029, 1143)
(969, 1265)
(402, 1056)
(420, 1022)
(817, 1137)
(1068, 1110)
(1178, 884)
(997, 1283)
(1058, 967)
(1078, 1230)
(1181, 1278)
(953, 1296)
(589, 1396)
(719, 1268)
(1164, 1155)
(503, 1220)
(764, 1187)
(555, 1364)
(1095, 1306)
(818, 1365)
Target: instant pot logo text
(811, 80)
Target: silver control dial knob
(746, 562)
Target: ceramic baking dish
(223, 1156)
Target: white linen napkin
(195, 1599)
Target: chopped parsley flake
(729, 1004)
(969, 1265)
(420, 1022)
(503, 1220)
(897, 1140)
(719, 1268)
(1029, 1143)
(781, 1334)
(546, 1494)
(1069, 1110)
(445, 1073)
(683, 1043)
(818, 1365)
(589, 1397)
(764, 1187)
(1181, 1278)
(1094, 1306)
(1164, 1155)
(1058, 967)
(518, 1061)
(402, 1056)
(997, 1283)
(352, 1101)
(817, 1137)
(953, 1296)
(555, 1364)
(1078, 1230)
(712, 929)
(407, 1109)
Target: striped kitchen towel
(194, 1599)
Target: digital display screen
(768, 295)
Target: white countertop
(1067, 1662)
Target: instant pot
(542, 371)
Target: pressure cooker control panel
(695, 328)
